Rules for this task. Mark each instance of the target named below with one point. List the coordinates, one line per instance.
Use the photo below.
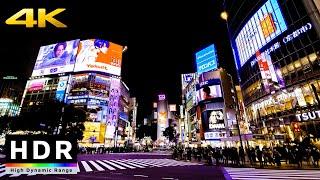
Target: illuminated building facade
(276, 45)
(86, 73)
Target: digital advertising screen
(206, 59)
(36, 84)
(56, 58)
(209, 90)
(265, 25)
(213, 120)
(99, 55)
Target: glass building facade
(277, 52)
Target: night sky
(162, 38)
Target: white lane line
(138, 175)
(106, 165)
(86, 166)
(123, 164)
(15, 175)
(2, 174)
(132, 164)
(1, 165)
(33, 174)
(113, 164)
(2, 169)
(167, 178)
(99, 168)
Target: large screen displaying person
(56, 58)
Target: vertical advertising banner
(113, 108)
(62, 85)
(186, 79)
(99, 55)
(56, 58)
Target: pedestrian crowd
(257, 157)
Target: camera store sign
(308, 115)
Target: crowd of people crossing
(251, 156)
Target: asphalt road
(133, 166)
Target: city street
(132, 166)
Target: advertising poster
(213, 120)
(56, 58)
(99, 55)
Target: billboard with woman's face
(56, 58)
(99, 55)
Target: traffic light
(296, 127)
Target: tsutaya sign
(308, 115)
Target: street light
(224, 15)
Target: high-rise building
(85, 73)
(276, 45)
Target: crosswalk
(113, 165)
(267, 174)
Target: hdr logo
(40, 154)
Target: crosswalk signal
(296, 127)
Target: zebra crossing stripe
(151, 162)
(113, 164)
(122, 164)
(106, 165)
(132, 164)
(138, 163)
(86, 166)
(147, 163)
(78, 168)
(262, 174)
(99, 168)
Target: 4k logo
(43, 17)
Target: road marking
(15, 175)
(113, 164)
(167, 178)
(138, 175)
(2, 169)
(106, 165)
(63, 178)
(86, 166)
(150, 163)
(2, 174)
(122, 164)
(134, 165)
(99, 168)
(135, 162)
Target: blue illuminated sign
(206, 59)
(264, 26)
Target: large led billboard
(213, 120)
(206, 59)
(209, 90)
(265, 25)
(99, 55)
(186, 79)
(56, 58)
